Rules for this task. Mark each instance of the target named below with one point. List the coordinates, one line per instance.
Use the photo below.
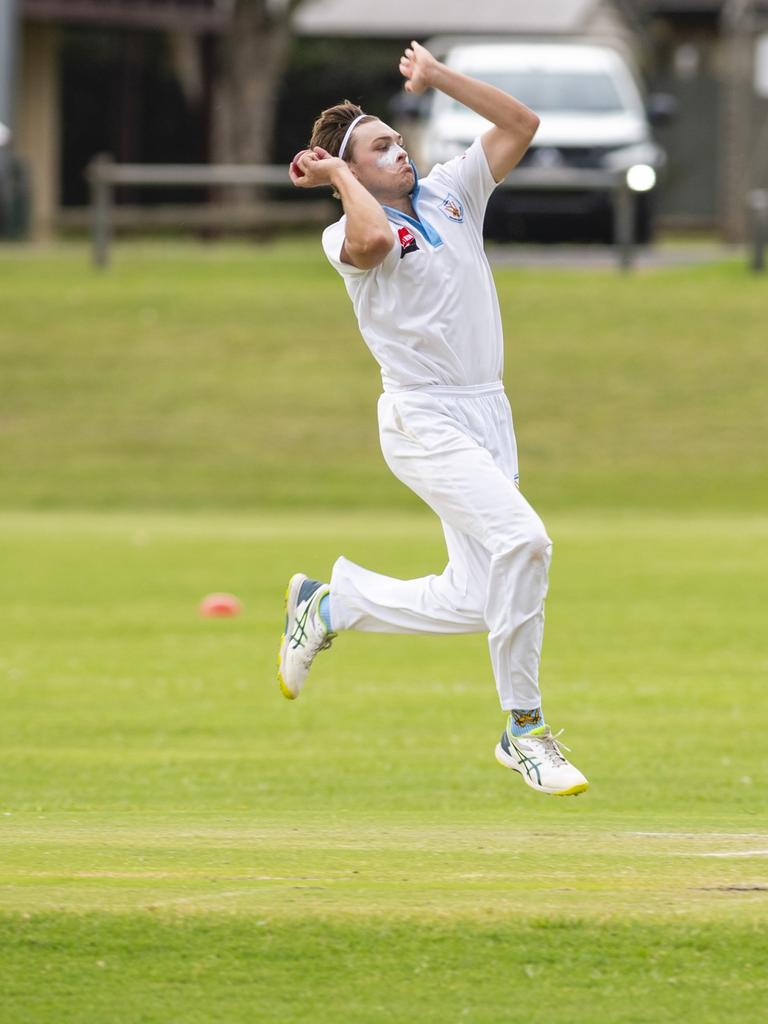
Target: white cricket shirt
(429, 312)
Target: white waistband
(495, 387)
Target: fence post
(623, 221)
(100, 180)
(757, 201)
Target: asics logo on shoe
(299, 634)
(528, 764)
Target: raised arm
(514, 124)
(368, 237)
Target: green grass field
(234, 377)
(178, 843)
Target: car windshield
(592, 92)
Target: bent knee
(538, 543)
(531, 540)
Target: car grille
(564, 156)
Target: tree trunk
(251, 59)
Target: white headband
(347, 134)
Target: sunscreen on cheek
(389, 157)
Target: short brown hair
(330, 127)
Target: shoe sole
(291, 593)
(504, 759)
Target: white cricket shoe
(305, 633)
(537, 757)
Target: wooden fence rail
(104, 176)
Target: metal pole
(623, 222)
(737, 21)
(757, 201)
(100, 179)
(9, 47)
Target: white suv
(592, 117)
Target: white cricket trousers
(455, 447)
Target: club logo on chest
(407, 241)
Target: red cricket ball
(295, 167)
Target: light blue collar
(421, 225)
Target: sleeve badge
(452, 208)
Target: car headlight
(641, 177)
(624, 157)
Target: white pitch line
(703, 835)
(726, 853)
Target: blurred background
(211, 82)
(168, 124)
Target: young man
(412, 259)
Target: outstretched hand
(312, 167)
(416, 67)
